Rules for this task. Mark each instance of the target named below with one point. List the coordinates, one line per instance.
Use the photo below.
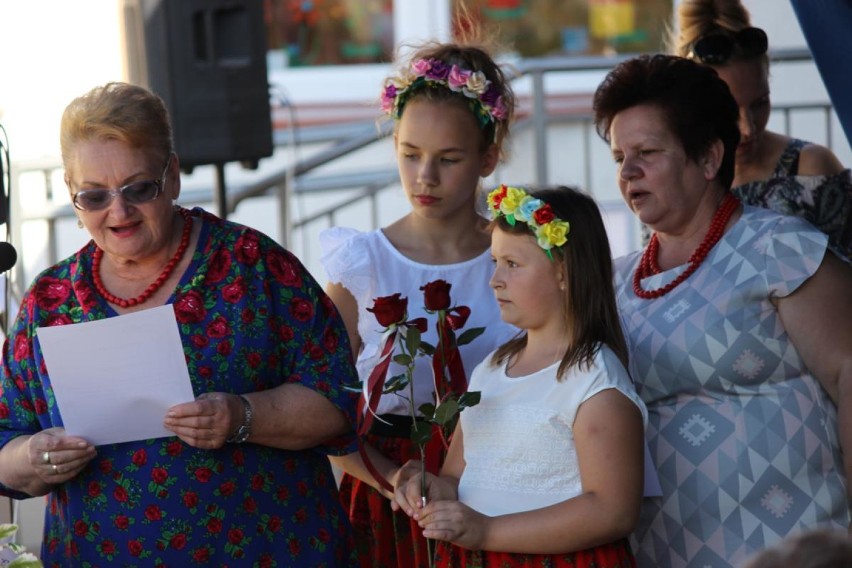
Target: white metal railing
(295, 178)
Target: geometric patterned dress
(743, 437)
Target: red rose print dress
(251, 318)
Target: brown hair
(814, 549)
(697, 104)
(117, 111)
(586, 262)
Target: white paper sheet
(115, 378)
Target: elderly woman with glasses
(245, 478)
(788, 175)
(739, 327)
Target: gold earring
(79, 223)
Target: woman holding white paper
(246, 475)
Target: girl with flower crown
(546, 471)
(451, 107)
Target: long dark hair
(586, 262)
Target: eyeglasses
(133, 193)
(717, 48)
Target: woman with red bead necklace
(739, 322)
(267, 355)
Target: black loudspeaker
(207, 60)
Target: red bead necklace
(156, 284)
(649, 266)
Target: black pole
(221, 195)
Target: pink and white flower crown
(484, 97)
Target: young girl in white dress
(451, 106)
(547, 470)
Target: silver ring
(45, 457)
(55, 469)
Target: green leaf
(446, 412)
(402, 359)
(412, 340)
(395, 384)
(427, 410)
(427, 348)
(469, 335)
(468, 399)
(421, 433)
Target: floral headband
(484, 97)
(516, 204)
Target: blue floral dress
(251, 318)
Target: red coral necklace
(156, 284)
(649, 266)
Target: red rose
(205, 372)
(94, 488)
(224, 348)
(257, 482)
(22, 347)
(235, 536)
(50, 292)
(201, 555)
(285, 333)
(159, 475)
(544, 214)
(301, 309)
(302, 488)
(330, 340)
(301, 515)
(135, 547)
(254, 359)
(498, 197)
(81, 528)
(389, 309)
(178, 541)
(218, 328)
(174, 448)
(247, 249)
(57, 319)
(140, 458)
(227, 488)
(120, 494)
(40, 406)
(220, 264)
(105, 466)
(203, 474)
(295, 548)
(4, 411)
(274, 523)
(108, 547)
(190, 499)
(189, 308)
(283, 494)
(265, 561)
(153, 513)
(238, 458)
(323, 535)
(284, 268)
(316, 352)
(85, 295)
(122, 522)
(214, 526)
(234, 291)
(436, 295)
(247, 316)
(199, 341)
(249, 505)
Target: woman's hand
(408, 493)
(208, 421)
(55, 457)
(455, 522)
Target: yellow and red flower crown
(515, 204)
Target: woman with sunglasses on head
(788, 175)
(267, 355)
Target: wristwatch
(244, 431)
